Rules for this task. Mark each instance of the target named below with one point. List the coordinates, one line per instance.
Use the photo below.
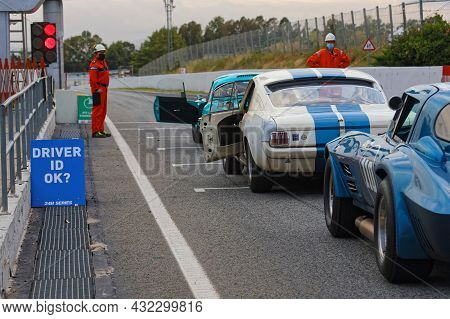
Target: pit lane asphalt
(273, 245)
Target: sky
(134, 20)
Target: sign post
(369, 47)
(57, 173)
(84, 109)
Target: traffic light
(43, 42)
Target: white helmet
(99, 47)
(330, 37)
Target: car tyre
(197, 135)
(258, 180)
(232, 166)
(391, 266)
(340, 213)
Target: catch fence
(352, 29)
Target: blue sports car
(394, 188)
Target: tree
(119, 54)
(284, 21)
(423, 46)
(155, 46)
(78, 51)
(191, 33)
(271, 23)
(214, 29)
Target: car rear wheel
(258, 180)
(392, 267)
(232, 166)
(340, 213)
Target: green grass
(268, 60)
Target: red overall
(326, 59)
(99, 80)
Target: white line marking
(166, 137)
(177, 148)
(195, 164)
(193, 272)
(145, 123)
(203, 190)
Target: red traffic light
(50, 29)
(43, 41)
(50, 43)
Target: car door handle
(178, 110)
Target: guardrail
(21, 118)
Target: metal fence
(352, 29)
(21, 118)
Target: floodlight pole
(169, 10)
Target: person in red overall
(329, 57)
(99, 81)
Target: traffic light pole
(53, 12)
(4, 36)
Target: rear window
(300, 93)
(241, 87)
(442, 125)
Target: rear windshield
(300, 93)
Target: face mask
(101, 56)
(330, 46)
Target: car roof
(309, 73)
(423, 91)
(443, 87)
(234, 77)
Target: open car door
(220, 128)
(174, 109)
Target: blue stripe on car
(302, 73)
(326, 125)
(332, 73)
(355, 119)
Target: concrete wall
(393, 79)
(67, 106)
(13, 225)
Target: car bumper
(303, 160)
(432, 230)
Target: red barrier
(446, 73)
(15, 75)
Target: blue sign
(57, 173)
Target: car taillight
(279, 139)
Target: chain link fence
(352, 29)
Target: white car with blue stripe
(286, 118)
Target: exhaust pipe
(365, 226)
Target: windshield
(329, 94)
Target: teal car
(225, 94)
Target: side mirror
(395, 103)
(428, 147)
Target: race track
(273, 245)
